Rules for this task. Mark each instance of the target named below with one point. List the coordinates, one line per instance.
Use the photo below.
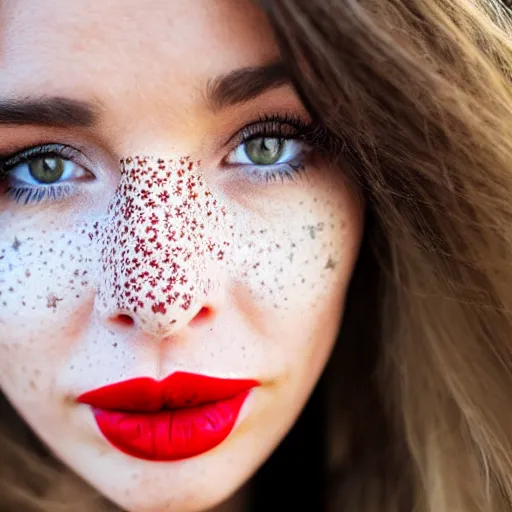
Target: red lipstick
(179, 417)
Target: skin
(233, 278)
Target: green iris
(46, 170)
(264, 151)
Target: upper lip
(179, 390)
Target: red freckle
(159, 308)
(171, 299)
(187, 301)
(150, 295)
(147, 252)
(164, 196)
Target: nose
(154, 247)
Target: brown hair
(419, 95)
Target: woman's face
(165, 226)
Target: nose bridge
(156, 241)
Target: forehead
(120, 45)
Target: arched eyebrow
(237, 86)
(49, 111)
(244, 84)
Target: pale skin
(261, 273)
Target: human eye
(42, 173)
(275, 147)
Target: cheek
(42, 275)
(44, 283)
(295, 271)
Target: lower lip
(170, 435)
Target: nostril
(202, 315)
(125, 320)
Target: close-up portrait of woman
(255, 256)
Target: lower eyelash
(291, 172)
(38, 194)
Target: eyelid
(49, 150)
(271, 125)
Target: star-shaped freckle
(331, 264)
(51, 301)
(16, 244)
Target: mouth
(179, 417)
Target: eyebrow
(238, 86)
(49, 111)
(242, 85)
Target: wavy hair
(419, 95)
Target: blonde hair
(419, 95)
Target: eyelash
(276, 126)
